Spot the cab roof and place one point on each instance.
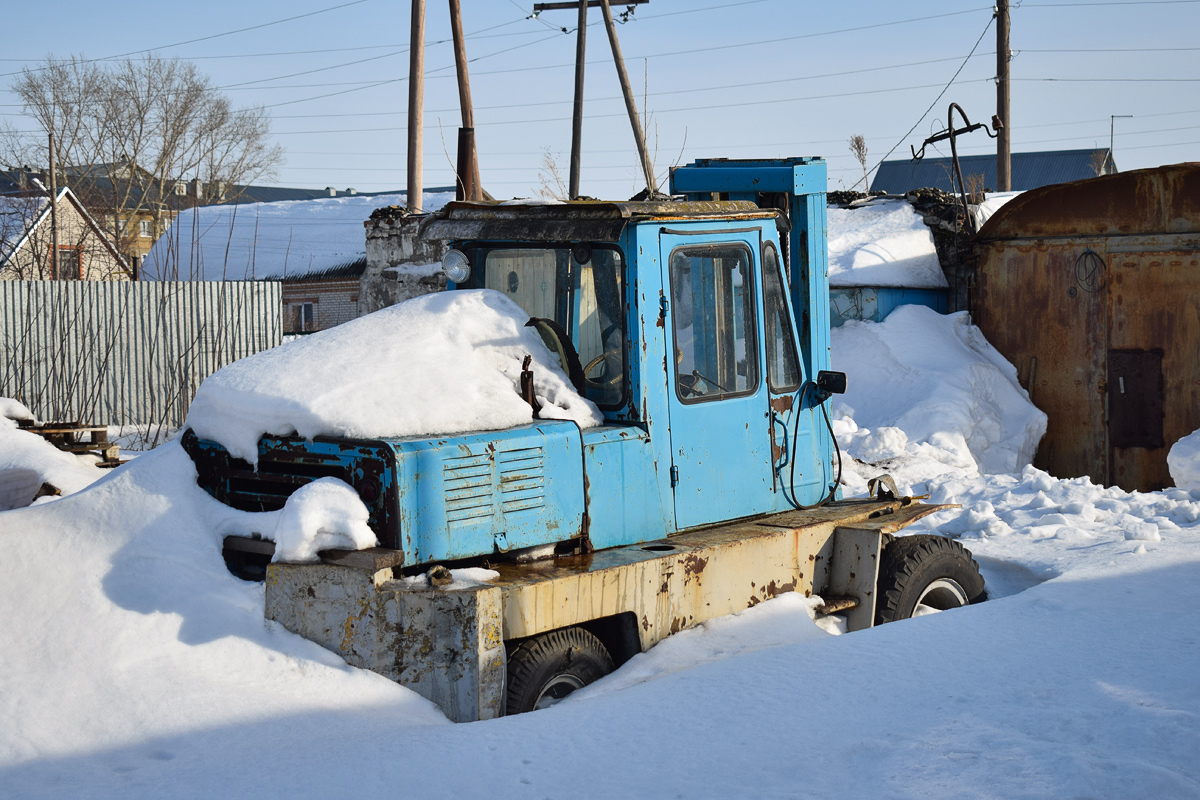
(580, 220)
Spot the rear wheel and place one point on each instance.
(547, 668)
(924, 574)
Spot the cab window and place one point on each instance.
(783, 367)
(715, 349)
(586, 298)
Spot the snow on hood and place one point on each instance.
(439, 364)
(930, 386)
(884, 243)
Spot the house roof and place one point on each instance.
(96, 179)
(1029, 170)
(346, 271)
(35, 208)
(294, 239)
(251, 193)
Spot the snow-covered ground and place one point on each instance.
(133, 665)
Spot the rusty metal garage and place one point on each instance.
(1092, 289)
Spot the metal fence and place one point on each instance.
(127, 353)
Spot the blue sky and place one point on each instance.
(732, 79)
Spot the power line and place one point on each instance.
(212, 36)
(429, 73)
(690, 52)
(649, 94)
(946, 88)
(1109, 80)
(1113, 3)
(772, 101)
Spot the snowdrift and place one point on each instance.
(27, 461)
(1183, 460)
(931, 388)
(439, 364)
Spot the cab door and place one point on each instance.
(717, 398)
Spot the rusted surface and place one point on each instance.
(679, 582)
(782, 403)
(1154, 304)
(1144, 201)
(833, 605)
(1067, 274)
(576, 221)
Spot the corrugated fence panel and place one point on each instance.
(127, 353)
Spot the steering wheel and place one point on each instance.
(603, 384)
(695, 377)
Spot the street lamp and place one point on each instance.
(1112, 118)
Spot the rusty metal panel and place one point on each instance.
(1050, 323)
(1160, 200)
(680, 582)
(1154, 304)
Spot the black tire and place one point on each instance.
(545, 669)
(928, 570)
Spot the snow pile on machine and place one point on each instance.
(439, 364)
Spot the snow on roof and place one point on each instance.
(883, 243)
(992, 203)
(18, 213)
(442, 363)
(268, 240)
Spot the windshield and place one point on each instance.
(580, 288)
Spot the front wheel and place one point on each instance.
(547, 668)
(924, 574)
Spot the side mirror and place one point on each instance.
(831, 382)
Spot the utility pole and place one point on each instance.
(416, 95)
(468, 187)
(53, 211)
(577, 114)
(630, 103)
(1003, 134)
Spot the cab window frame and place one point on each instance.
(478, 253)
(753, 351)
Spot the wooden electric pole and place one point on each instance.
(53, 211)
(468, 187)
(630, 103)
(416, 93)
(577, 115)
(1003, 135)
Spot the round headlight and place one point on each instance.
(456, 265)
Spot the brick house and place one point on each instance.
(85, 250)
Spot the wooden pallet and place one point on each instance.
(72, 437)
